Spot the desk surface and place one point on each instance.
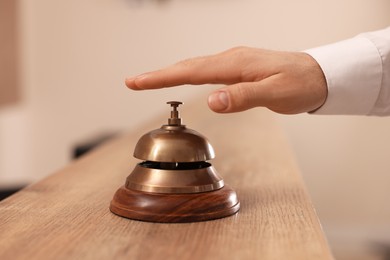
(66, 215)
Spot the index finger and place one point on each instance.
(215, 69)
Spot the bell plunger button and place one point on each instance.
(174, 119)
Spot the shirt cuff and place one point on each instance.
(353, 72)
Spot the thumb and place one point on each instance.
(237, 97)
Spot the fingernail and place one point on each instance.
(219, 101)
(129, 80)
(133, 82)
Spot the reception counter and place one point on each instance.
(66, 215)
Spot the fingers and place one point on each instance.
(284, 82)
(241, 96)
(222, 68)
(279, 93)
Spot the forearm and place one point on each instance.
(357, 72)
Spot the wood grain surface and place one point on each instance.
(175, 208)
(66, 215)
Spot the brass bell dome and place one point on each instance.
(174, 182)
(174, 143)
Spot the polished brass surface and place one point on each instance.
(174, 144)
(174, 160)
(174, 181)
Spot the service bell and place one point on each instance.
(174, 182)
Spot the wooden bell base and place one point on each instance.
(175, 208)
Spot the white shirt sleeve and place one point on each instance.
(357, 73)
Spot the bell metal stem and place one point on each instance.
(175, 119)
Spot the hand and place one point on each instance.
(285, 82)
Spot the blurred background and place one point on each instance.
(62, 71)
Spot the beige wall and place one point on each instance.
(9, 93)
(76, 54)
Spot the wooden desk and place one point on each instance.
(66, 215)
